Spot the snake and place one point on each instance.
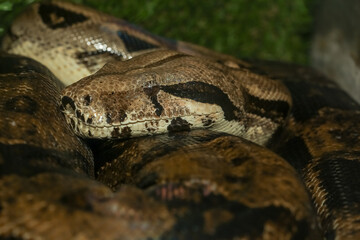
(163, 139)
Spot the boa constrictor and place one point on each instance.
(198, 184)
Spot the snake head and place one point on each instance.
(131, 106)
(166, 91)
(126, 99)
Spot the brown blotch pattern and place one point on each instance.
(115, 133)
(21, 104)
(178, 124)
(87, 100)
(203, 167)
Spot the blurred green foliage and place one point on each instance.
(265, 29)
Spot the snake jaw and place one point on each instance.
(141, 128)
(195, 117)
(180, 115)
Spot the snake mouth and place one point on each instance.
(90, 124)
(152, 126)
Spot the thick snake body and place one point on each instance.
(322, 141)
(84, 38)
(197, 184)
(188, 185)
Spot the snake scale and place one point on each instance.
(176, 141)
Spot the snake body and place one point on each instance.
(213, 181)
(198, 184)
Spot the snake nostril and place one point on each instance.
(65, 100)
